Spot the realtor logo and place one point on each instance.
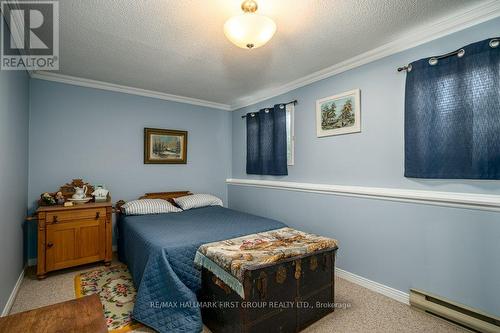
(30, 35)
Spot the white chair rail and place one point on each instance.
(488, 202)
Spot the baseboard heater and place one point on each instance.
(454, 312)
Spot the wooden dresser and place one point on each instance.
(72, 236)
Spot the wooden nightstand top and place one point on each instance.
(79, 315)
(74, 207)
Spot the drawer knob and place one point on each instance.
(55, 219)
(97, 215)
(50, 244)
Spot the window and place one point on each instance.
(290, 136)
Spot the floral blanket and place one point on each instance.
(229, 259)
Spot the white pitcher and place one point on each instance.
(80, 192)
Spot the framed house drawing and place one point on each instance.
(339, 114)
(163, 146)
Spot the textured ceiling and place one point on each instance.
(178, 47)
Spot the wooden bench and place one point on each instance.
(80, 315)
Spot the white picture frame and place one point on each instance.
(339, 114)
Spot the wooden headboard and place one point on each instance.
(169, 196)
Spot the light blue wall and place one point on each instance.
(14, 121)
(451, 252)
(98, 135)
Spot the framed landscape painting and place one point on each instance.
(163, 146)
(339, 114)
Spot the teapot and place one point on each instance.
(100, 193)
(80, 192)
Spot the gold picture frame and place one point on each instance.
(164, 146)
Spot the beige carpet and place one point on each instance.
(366, 311)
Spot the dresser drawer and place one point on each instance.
(72, 215)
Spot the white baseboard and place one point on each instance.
(395, 294)
(13, 295)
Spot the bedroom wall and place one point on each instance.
(451, 252)
(97, 135)
(14, 122)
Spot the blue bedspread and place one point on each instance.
(159, 251)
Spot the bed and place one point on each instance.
(159, 251)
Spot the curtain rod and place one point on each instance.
(294, 102)
(494, 43)
(434, 60)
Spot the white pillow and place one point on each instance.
(149, 206)
(197, 200)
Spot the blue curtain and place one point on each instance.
(452, 115)
(266, 142)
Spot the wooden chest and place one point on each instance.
(283, 297)
(72, 236)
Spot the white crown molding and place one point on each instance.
(462, 20)
(374, 286)
(13, 295)
(487, 202)
(77, 81)
(449, 25)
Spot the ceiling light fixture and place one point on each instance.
(249, 30)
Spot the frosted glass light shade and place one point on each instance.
(249, 30)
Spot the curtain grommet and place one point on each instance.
(409, 68)
(281, 106)
(252, 115)
(433, 61)
(266, 110)
(494, 43)
(461, 53)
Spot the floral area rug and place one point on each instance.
(117, 293)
